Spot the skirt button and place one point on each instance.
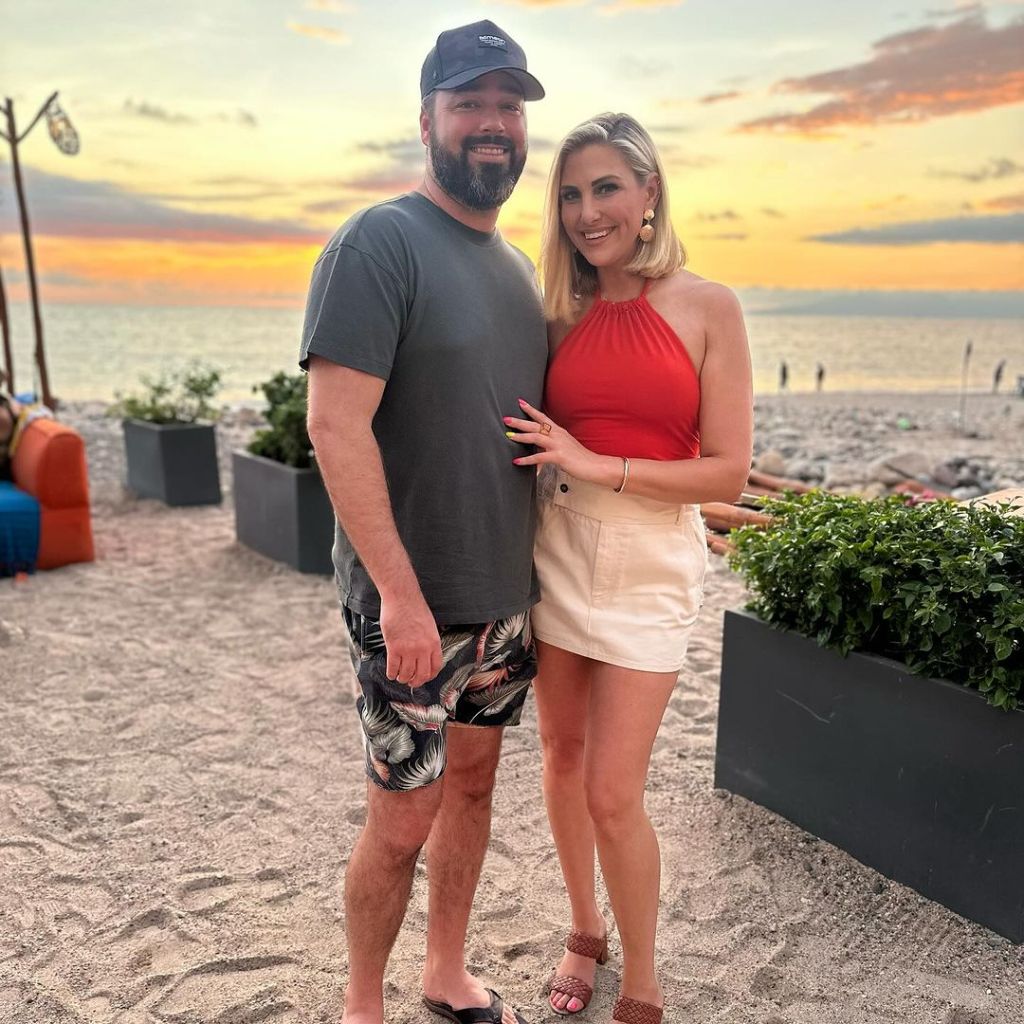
(563, 488)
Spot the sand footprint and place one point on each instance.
(243, 990)
(272, 886)
(206, 893)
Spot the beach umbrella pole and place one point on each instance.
(13, 139)
(5, 333)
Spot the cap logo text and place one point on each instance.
(496, 41)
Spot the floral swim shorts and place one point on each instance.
(485, 675)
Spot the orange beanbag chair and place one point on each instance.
(49, 463)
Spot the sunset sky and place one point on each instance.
(809, 145)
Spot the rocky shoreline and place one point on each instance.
(866, 443)
(853, 442)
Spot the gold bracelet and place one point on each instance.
(625, 475)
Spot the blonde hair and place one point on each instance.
(568, 277)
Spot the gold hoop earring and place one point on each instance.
(647, 228)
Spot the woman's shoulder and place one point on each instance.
(689, 288)
(697, 308)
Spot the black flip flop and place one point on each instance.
(473, 1014)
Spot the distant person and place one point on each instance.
(423, 328)
(997, 376)
(647, 413)
(783, 375)
(819, 377)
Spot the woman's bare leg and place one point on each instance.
(562, 691)
(626, 708)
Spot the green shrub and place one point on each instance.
(286, 439)
(937, 585)
(175, 396)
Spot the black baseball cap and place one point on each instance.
(464, 53)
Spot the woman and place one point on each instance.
(647, 413)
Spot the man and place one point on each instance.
(423, 329)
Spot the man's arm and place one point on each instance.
(342, 404)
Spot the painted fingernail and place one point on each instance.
(521, 401)
(510, 435)
(517, 462)
(506, 419)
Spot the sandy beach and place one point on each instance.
(181, 783)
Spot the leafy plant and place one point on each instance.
(175, 396)
(938, 585)
(286, 439)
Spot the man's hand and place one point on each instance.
(411, 639)
(342, 404)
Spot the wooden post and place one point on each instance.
(5, 333)
(30, 263)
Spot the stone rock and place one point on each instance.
(874, 489)
(893, 468)
(966, 493)
(790, 434)
(805, 469)
(945, 475)
(842, 475)
(771, 461)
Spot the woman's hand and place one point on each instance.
(557, 446)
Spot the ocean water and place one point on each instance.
(95, 351)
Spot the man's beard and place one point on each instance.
(484, 187)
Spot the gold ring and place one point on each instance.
(545, 429)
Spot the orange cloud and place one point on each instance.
(1014, 202)
(767, 260)
(142, 272)
(913, 76)
(327, 35)
(718, 97)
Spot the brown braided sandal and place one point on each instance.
(632, 1011)
(576, 988)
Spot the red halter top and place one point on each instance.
(622, 383)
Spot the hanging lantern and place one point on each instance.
(62, 131)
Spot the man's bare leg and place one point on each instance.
(377, 886)
(455, 854)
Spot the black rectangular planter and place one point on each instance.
(918, 778)
(283, 512)
(173, 462)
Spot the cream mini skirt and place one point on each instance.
(621, 576)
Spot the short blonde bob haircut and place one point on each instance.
(568, 277)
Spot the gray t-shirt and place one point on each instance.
(451, 318)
